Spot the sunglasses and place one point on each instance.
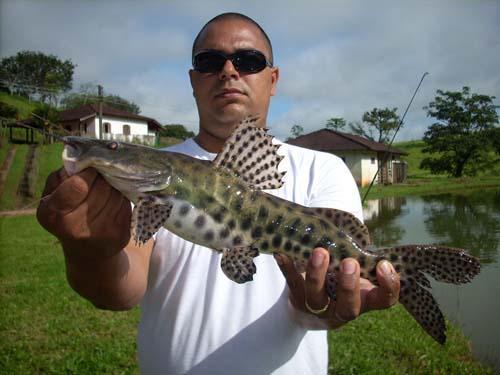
(245, 61)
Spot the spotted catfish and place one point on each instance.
(221, 205)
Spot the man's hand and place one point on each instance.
(354, 294)
(89, 216)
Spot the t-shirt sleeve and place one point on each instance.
(334, 186)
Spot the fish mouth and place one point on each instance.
(70, 155)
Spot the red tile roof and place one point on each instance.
(330, 140)
(90, 110)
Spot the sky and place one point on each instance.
(336, 58)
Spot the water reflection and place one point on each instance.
(380, 218)
(470, 221)
(465, 221)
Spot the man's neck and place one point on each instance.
(209, 142)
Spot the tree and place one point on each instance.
(335, 123)
(176, 131)
(87, 94)
(33, 74)
(377, 124)
(297, 130)
(462, 134)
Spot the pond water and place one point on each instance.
(470, 221)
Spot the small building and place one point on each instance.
(117, 124)
(362, 156)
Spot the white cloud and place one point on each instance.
(337, 58)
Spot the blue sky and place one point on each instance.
(336, 58)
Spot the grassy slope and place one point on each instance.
(46, 328)
(421, 181)
(23, 105)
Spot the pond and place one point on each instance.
(470, 221)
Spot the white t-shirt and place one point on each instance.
(195, 320)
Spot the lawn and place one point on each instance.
(46, 328)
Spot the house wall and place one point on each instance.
(360, 165)
(138, 130)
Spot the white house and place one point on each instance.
(116, 124)
(361, 155)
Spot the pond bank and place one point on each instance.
(432, 185)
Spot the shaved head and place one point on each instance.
(234, 16)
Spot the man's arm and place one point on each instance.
(92, 221)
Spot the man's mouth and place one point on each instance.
(229, 93)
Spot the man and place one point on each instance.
(194, 319)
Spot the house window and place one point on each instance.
(126, 129)
(107, 127)
(373, 160)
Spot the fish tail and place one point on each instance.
(445, 264)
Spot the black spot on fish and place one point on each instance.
(288, 246)
(394, 257)
(306, 254)
(296, 249)
(277, 240)
(237, 203)
(263, 212)
(246, 223)
(293, 227)
(209, 236)
(306, 239)
(231, 224)
(257, 232)
(219, 215)
(184, 209)
(224, 233)
(264, 245)
(270, 228)
(237, 240)
(200, 221)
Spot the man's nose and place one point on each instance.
(228, 71)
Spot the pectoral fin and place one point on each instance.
(149, 215)
(237, 263)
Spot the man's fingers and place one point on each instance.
(294, 280)
(54, 180)
(315, 279)
(348, 303)
(71, 192)
(387, 293)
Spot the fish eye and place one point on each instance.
(113, 145)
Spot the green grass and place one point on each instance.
(46, 328)
(391, 342)
(23, 105)
(421, 181)
(50, 160)
(9, 199)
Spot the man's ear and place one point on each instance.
(275, 75)
(191, 78)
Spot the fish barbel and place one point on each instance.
(221, 205)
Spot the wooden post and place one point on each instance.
(99, 88)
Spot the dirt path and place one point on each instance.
(26, 211)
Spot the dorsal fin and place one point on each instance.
(250, 154)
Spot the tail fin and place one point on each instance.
(444, 264)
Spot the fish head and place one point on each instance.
(132, 169)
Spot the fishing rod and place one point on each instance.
(386, 155)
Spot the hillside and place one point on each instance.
(23, 105)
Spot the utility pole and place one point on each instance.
(99, 90)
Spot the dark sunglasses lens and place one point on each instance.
(208, 62)
(249, 61)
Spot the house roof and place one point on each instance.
(91, 110)
(330, 140)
